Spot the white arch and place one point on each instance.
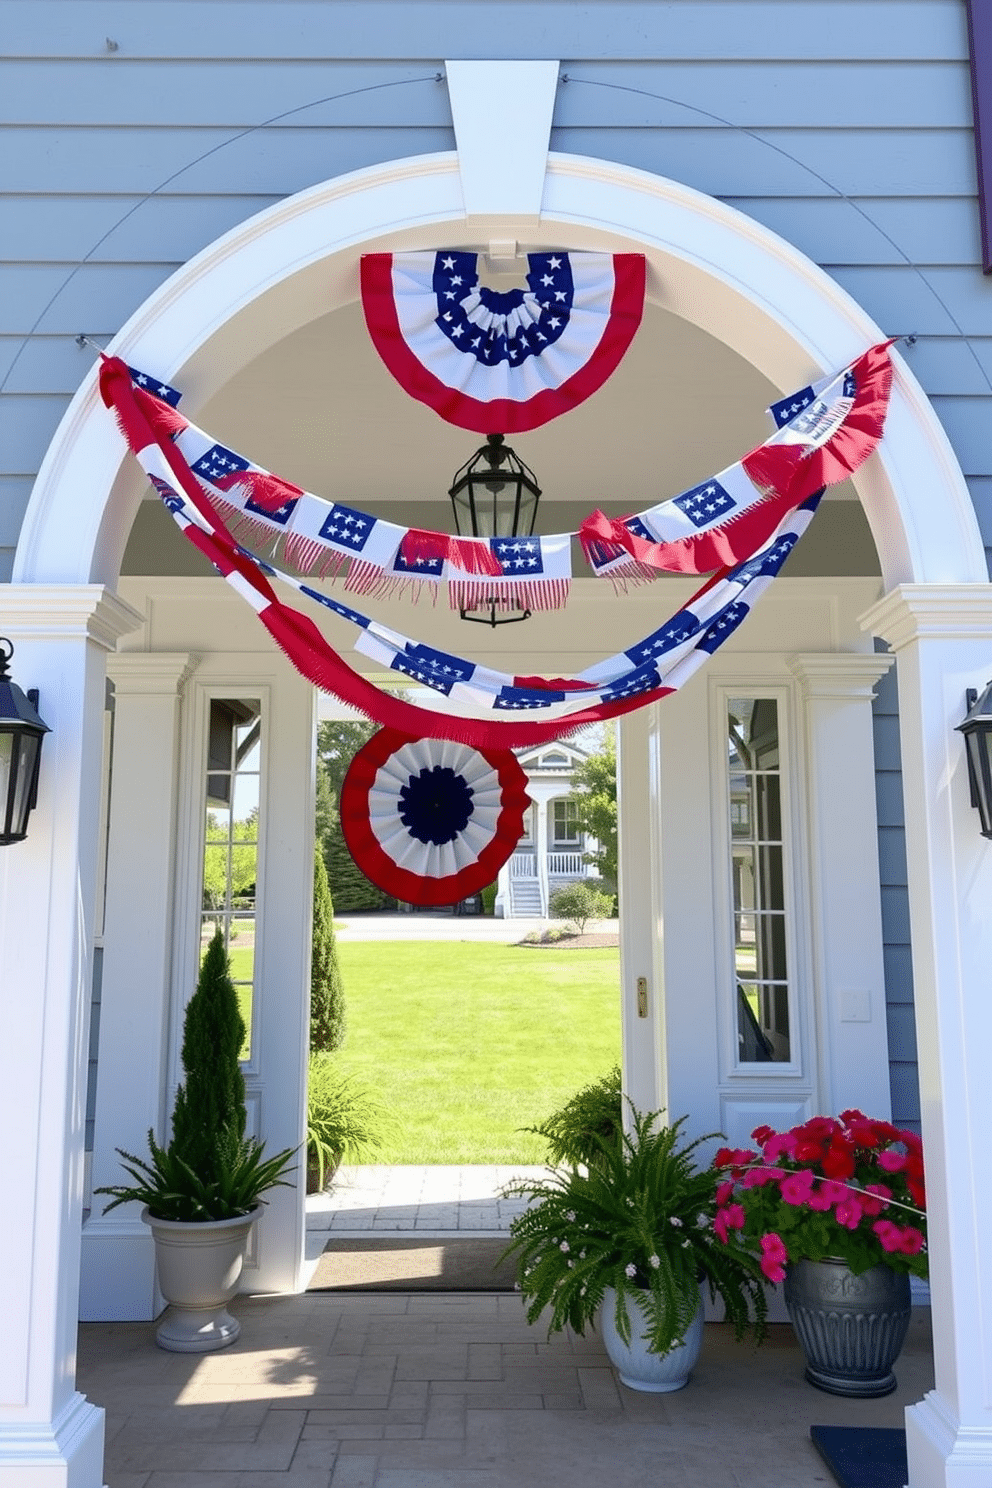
(299, 259)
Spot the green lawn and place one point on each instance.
(465, 1043)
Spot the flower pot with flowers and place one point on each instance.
(629, 1239)
(837, 1209)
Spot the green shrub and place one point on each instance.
(345, 1119)
(593, 1118)
(350, 889)
(580, 902)
(327, 1012)
(489, 898)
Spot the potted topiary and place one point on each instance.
(627, 1239)
(203, 1191)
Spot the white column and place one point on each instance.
(841, 822)
(642, 950)
(541, 845)
(50, 1435)
(942, 638)
(118, 1255)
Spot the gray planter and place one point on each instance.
(851, 1328)
(637, 1365)
(199, 1269)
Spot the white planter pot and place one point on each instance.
(637, 1366)
(199, 1268)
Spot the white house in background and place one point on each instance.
(196, 196)
(552, 849)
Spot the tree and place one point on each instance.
(579, 902)
(327, 1014)
(211, 1099)
(229, 868)
(596, 796)
(338, 741)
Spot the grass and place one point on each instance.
(465, 1043)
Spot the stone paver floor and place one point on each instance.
(451, 1390)
(454, 1391)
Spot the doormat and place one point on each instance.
(385, 1264)
(863, 1456)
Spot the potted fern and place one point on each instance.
(202, 1192)
(627, 1240)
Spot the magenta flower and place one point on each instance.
(774, 1256)
(778, 1143)
(731, 1217)
(849, 1212)
(797, 1187)
(878, 1200)
(911, 1240)
(757, 1177)
(889, 1234)
(892, 1162)
(724, 1191)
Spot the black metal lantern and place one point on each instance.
(494, 494)
(977, 730)
(21, 733)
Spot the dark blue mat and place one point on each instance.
(863, 1456)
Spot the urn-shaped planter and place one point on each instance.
(851, 1328)
(640, 1368)
(199, 1269)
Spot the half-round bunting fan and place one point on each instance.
(429, 820)
(502, 361)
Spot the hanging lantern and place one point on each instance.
(21, 733)
(494, 494)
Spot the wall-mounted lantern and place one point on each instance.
(977, 730)
(21, 733)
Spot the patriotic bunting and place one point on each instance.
(824, 433)
(502, 361)
(477, 699)
(429, 820)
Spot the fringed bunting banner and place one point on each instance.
(429, 820)
(502, 361)
(477, 698)
(825, 431)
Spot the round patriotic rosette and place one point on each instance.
(431, 820)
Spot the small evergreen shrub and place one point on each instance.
(350, 889)
(327, 1010)
(212, 1096)
(345, 1119)
(579, 903)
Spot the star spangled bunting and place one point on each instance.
(502, 360)
(836, 425)
(712, 525)
(608, 690)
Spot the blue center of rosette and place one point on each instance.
(435, 805)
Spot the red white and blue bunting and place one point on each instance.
(502, 361)
(477, 699)
(825, 431)
(429, 820)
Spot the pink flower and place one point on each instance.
(878, 1201)
(848, 1212)
(723, 1192)
(832, 1191)
(821, 1200)
(911, 1241)
(761, 1134)
(892, 1162)
(778, 1143)
(889, 1234)
(797, 1187)
(774, 1257)
(729, 1218)
(757, 1177)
